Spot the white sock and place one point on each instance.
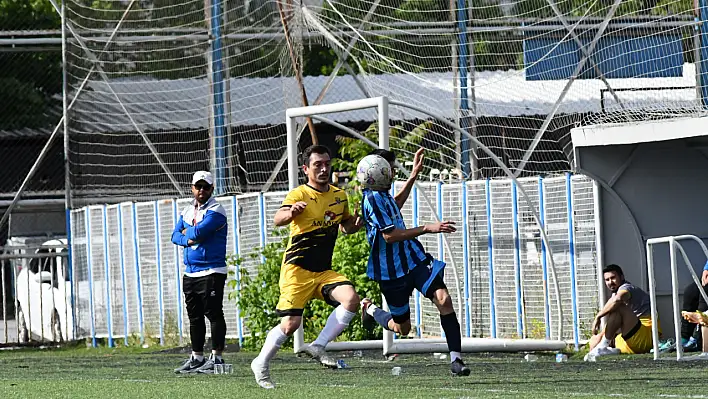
(198, 358)
(370, 309)
(337, 321)
(274, 340)
(216, 357)
(604, 343)
(455, 355)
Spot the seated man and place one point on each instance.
(628, 318)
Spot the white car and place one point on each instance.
(43, 292)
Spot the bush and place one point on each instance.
(259, 293)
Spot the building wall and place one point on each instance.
(664, 186)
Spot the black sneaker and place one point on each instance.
(208, 366)
(367, 320)
(458, 368)
(190, 365)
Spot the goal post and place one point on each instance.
(417, 345)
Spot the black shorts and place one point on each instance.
(426, 279)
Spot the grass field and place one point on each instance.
(145, 373)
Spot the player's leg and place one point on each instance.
(620, 321)
(337, 291)
(691, 299)
(296, 288)
(397, 293)
(194, 289)
(450, 325)
(214, 311)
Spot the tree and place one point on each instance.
(29, 80)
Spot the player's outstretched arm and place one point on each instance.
(353, 224)
(402, 196)
(397, 235)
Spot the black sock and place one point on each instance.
(451, 327)
(382, 317)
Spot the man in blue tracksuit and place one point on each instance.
(202, 230)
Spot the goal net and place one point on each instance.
(159, 89)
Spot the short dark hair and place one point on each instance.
(613, 268)
(390, 156)
(314, 149)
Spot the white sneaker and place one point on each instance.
(319, 353)
(608, 351)
(597, 352)
(262, 373)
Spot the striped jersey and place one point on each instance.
(394, 260)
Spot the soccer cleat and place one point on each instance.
(667, 346)
(208, 366)
(458, 368)
(190, 366)
(262, 374)
(367, 320)
(318, 353)
(691, 345)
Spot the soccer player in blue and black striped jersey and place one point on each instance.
(399, 263)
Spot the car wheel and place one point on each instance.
(56, 328)
(22, 331)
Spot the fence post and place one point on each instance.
(158, 261)
(175, 217)
(138, 283)
(236, 224)
(520, 327)
(490, 247)
(544, 256)
(122, 274)
(465, 258)
(106, 267)
(571, 259)
(90, 275)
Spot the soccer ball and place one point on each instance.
(374, 172)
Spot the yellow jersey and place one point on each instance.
(314, 232)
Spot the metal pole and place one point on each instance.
(218, 93)
(464, 100)
(472, 113)
(520, 167)
(67, 164)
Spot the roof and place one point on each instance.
(639, 132)
(184, 104)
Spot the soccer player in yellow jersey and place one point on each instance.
(316, 212)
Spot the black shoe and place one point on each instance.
(367, 320)
(208, 366)
(190, 365)
(458, 368)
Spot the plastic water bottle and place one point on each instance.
(531, 357)
(561, 358)
(341, 364)
(396, 371)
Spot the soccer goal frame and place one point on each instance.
(417, 345)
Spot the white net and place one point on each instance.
(189, 85)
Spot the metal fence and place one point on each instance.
(126, 274)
